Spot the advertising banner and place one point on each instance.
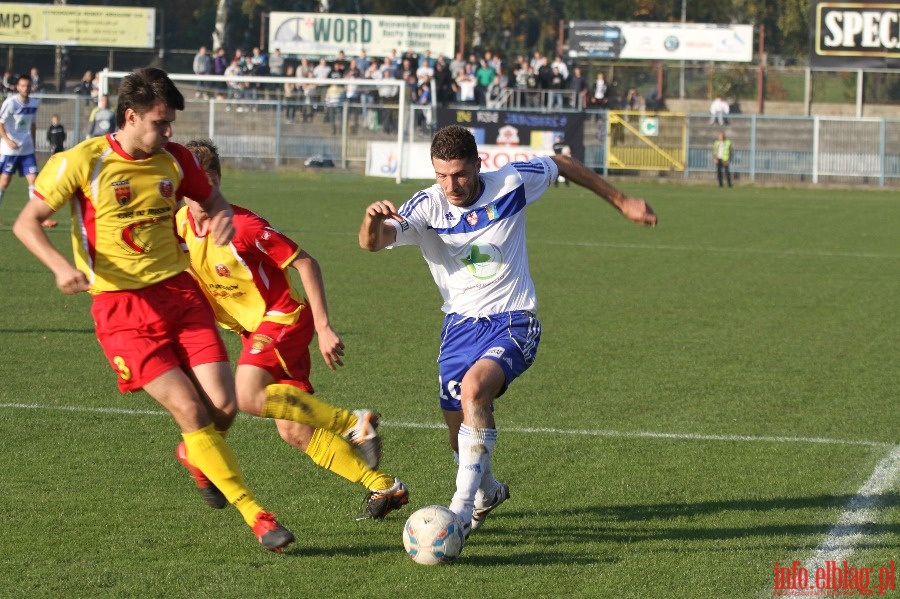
(324, 34)
(854, 34)
(381, 159)
(520, 133)
(66, 25)
(660, 41)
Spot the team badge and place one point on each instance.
(222, 270)
(123, 192)
(166, 189)
(259, 343)
(472, 218)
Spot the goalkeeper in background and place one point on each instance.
(249, 286)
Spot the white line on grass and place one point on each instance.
(862, 509)
(689, 248)
(554, 431)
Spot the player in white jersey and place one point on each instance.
(17, 135)
(470, 227)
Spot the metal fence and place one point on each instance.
(274, 132)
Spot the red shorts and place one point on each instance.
(282, 350)
(146, 332)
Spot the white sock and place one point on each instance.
(475, 449)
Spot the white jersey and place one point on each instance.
(17, 117)
(477, 254)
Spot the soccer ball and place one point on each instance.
(433, 535)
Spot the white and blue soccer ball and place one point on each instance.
(433, 535)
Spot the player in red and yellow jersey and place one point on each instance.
(248, 284)
(154, 325)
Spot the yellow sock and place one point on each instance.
(211, 454)
(287, 402)
(334, 453)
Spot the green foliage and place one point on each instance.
(659, 447)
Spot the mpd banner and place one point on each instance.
(660, 41)
(520, 132)
(60, 25)
(324, 34)
(854, 34)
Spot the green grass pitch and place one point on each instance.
(708, 397)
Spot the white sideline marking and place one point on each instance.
(690, 248)
(862, 509)
(555, 431)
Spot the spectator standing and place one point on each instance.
(722, 157)
(37, 84)
(276, 63)
(102, 120)
(718, 111)
(203, 65)
(220, 64)
(578, 85)
(290, 106)
(484, 76)
(557, 84)
(56, 135)
(598, 97)
(83, 87)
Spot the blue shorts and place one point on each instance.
(25, 165)
(510, 339)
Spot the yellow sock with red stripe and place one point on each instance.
(334, 453)
(287, 402)
(211, 454)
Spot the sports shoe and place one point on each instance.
(211, 494)
(271, 534)
(364, 437)
(481, 511)
(381, 503)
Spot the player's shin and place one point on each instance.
(211, 454)
(288, 402)
(335, 453)
(475, 448)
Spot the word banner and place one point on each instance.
(325, 34)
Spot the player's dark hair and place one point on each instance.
(21, 77)
(207, 154)
(142, 89)
(454, 143)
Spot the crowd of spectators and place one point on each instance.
(479, 80)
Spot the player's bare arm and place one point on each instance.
(634, 209)
(28, 229)
(376, 233)
(9, 141)
(221, 216)
(330, 344)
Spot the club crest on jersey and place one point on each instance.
(472, 218)
(222, 270)
(259, 343)
(122, 190)
(166, 189)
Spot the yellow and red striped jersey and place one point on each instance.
(123, 209)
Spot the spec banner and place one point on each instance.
(324, 34)
(66, 25)
(521, 134)
(660, 41)
(854, 34)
